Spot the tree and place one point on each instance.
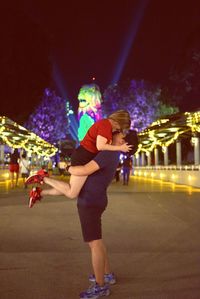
(140, 98)
(49, 120)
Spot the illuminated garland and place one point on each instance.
(16, 136)
(153, 137)
(193, 121)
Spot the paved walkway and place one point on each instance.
(152, 233)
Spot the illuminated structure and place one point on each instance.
(89, 110)
(72, 123)
(16, 136)
(168, 130)
(170, 134)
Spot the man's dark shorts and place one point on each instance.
(90, 218)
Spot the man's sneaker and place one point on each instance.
(95, 292)
(37, 178)
(108, 278)
(34, 196)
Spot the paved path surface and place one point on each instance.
(151, 230)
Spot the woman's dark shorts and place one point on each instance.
(81, 156)
(90, 219)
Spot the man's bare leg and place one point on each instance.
(107, 263)
(98, 260)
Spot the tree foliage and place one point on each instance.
(49, 120)
(140, 98)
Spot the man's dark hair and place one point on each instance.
(132, 139)
(24, 155)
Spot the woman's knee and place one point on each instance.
(71, 195)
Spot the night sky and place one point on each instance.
(64, 45)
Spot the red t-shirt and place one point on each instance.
(103, 128)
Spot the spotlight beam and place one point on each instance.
(58, 80)
(73, 128)
(128, 43)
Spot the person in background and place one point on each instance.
(117, 173)
(62, 166)
(24, 167)
(50, 167)
(14, 167)
(132, 138)
(126, 168)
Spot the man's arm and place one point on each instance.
(83, 170)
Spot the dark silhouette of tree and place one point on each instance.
(184, 76)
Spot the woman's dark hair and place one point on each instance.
(15, 153)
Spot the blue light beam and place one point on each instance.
(58, 80)
(73, 127)
(130, 39)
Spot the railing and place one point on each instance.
(171, 167)
(186, 175)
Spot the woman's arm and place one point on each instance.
(103, 146)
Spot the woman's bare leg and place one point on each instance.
(51, 191)
(16, 178)
(12, 179)
(70, 190)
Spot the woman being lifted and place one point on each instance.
(98, 138)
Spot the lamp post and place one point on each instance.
(138, 159)
(143, 159)
(149, 158)
(196, 149)
(178, 152)
(2, 153)
(156, 156)
(166, 156)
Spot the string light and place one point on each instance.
(16, 136)
(166, 131)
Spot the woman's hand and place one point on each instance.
(125, 147)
